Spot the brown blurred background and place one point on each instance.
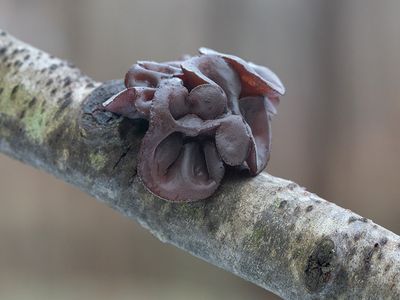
(337, 132)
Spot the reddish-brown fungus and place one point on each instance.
(213, 69)
(255, 114)
(207, 101)
(132, 103)
(148, 74)
(160, 67)
(255, 79)
(204, 112)
(233, 140)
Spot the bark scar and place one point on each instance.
(320, 265)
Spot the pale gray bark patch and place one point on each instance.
(267, 230)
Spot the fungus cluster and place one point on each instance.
(204, 112)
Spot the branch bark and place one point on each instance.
(267, 230)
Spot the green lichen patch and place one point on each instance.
(194, 211)
(257, 237)
(97, 160)
(36, 116)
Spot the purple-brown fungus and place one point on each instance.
(204, 112)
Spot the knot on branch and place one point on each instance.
(320, 265)
(204, 112)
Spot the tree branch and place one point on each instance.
(265, 229)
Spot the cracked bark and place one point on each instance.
(267, 230)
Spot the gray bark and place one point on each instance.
(267, 230)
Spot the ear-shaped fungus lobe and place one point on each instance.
(212, 69)
(149, 74)
(169, 166)
(233, 140)
(255, 80)
(208, 101)
(166, 68)
(179, 171)
(178, 104)
(269, 76)
(132, 103)
(254, 112)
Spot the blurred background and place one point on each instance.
(337, 132)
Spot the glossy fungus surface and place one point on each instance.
(205, 112)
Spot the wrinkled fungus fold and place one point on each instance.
(204, 112)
